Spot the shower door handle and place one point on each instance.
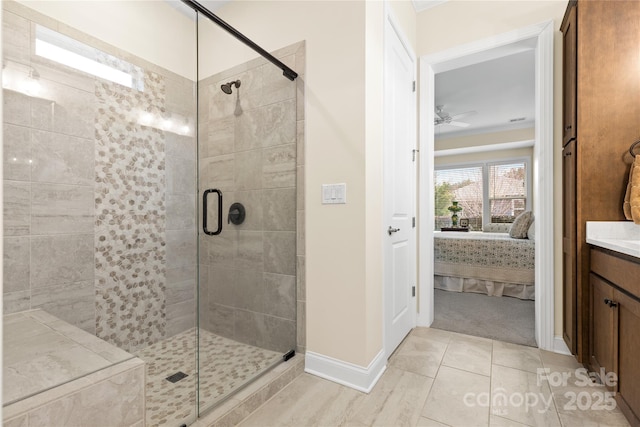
(204, 211)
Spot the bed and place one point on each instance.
(490, 263)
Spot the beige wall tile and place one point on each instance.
(181, 316)
(249, 290)
(278, 123)
(71, 114)
(180, 291)
(301, 323)
(280, 295)
(218, 172)
(279, 209)
(250, 250)
(181, 248)
(60, 209)
(220, 137)
(17, 152)
(279, 334)
(279, 166)
(181, 175)
(62, 159)
(17, 108)
(17, 208)
(181, 211)
(72, 302)
(16, 33)
(301, 293)
(245, 167)
(61, 259)
(276, 88)
(249, 130)
(16, 270)
(121, 401)
(280, 252)
(14, 302)
(20, 421)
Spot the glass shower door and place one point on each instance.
(247, 170)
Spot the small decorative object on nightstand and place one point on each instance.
(464, 222)
(454, 208)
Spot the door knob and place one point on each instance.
(392, 230)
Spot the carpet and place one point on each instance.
(500, 318)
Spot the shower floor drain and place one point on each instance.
(176, 377)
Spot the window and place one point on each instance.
(507, 191)
(464, 185)
(493, 192)
(72, 53)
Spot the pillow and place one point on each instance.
(496, 228)
(521, 225)
(531, 233)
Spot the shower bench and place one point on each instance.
(57, 374)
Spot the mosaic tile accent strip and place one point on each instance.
(226, 365)
(130, 255)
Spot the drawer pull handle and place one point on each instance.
(610, 303)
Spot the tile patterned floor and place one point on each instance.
(441, 378)
(225, 365)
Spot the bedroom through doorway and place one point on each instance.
(484, 230)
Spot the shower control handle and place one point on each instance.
(392, 230)
(204, 211)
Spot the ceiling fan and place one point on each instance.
(444, 118)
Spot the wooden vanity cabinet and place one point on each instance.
(615, 325)
(569, 75)
(603, 320)
(601, 89)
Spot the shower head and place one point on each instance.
(226, 88)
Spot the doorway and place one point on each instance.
(539, 37)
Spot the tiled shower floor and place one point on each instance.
(225, 365)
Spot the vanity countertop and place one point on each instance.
(619, 236)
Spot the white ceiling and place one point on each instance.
(498, 90)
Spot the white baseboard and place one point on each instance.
(345, 373)
(559, 346)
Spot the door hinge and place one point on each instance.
(413, 86)
(413, 222)
(414, 152)
(413, 291)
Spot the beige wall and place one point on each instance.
(151, 30)
(458, 22)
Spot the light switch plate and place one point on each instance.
(334, 194)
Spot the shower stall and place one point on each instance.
(149, 214)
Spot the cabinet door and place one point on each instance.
(569, 245)
(602, 325)
(569, 76)
(628, 353)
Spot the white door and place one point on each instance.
(399, 191)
